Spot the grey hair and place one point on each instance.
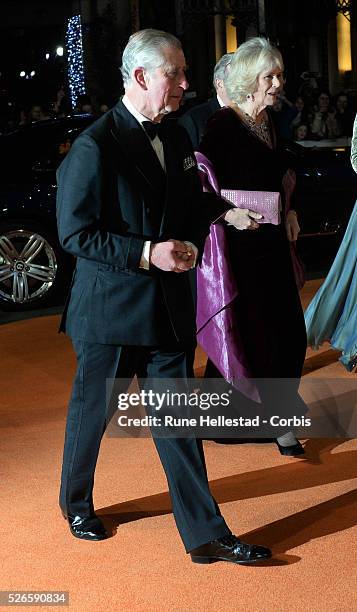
(250, 59)
(220, 69)
(145, 49)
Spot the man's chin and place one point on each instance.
(173, 106)
(169, 108)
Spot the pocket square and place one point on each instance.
(189, 162)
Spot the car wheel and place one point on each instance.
(33, 267)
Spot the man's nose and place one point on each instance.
(276, 81)
(184, 82)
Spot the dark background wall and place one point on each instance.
(30, 28)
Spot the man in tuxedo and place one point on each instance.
(195, 119)
(130, 209)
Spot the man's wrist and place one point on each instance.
(145, 256)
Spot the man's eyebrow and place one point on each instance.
(175, 68)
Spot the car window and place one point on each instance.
(49, 152)
(36, 151)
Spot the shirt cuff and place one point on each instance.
(145, 256)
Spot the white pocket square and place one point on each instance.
(189, 162)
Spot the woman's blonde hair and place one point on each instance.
(250, 59)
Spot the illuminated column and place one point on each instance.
(231, 35)
(220, 35)
(354, 56)
(344, 43)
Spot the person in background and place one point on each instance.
(344, 116)
(332, 314)
(37, 113)
(284, 113)
(250, 321)
(103, 109)
(309, 87)
(23, 117)
(61, 106)
(84, 105)
(195, 119)
(323, 120)
(301, 132)
(302, 116)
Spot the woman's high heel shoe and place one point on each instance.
(295, 450)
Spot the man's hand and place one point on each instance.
(242, 218)
(292, 226)
(172, 256)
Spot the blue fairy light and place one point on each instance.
(75, 59)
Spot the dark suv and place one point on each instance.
(34, 270)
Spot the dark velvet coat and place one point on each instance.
(267, 308)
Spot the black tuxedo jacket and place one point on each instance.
(195, 120)
(112, 196)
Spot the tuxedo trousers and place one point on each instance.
(196, 512)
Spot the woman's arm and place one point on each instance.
(354, 146)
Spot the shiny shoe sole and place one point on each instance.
(76, 535)
(207, 560)
(297, 450)
(88, 538)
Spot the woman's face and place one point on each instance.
(301, 132)
(270, 84)
(323, 102)
(342, 103)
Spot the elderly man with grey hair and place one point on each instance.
(194, 120)
(130, 210)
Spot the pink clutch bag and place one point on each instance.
(267, 203)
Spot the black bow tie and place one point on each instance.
(152, 129)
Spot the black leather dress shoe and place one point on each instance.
(86, 527)
(295, 450)
(229, 548)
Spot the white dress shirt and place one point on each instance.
(157, 145)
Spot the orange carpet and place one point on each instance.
(305, 509)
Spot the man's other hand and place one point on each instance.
(172, 256)
(242, 218)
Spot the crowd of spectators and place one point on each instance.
(313, 115)
(18, 115)
(325, 117)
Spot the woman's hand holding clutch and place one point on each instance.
(242, 218)
(292, 226)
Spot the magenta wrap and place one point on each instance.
(217, 330)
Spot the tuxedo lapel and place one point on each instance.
(174, 174)
(134, 145)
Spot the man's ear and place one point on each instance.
(140, 78)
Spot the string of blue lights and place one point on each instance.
(75, 59)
